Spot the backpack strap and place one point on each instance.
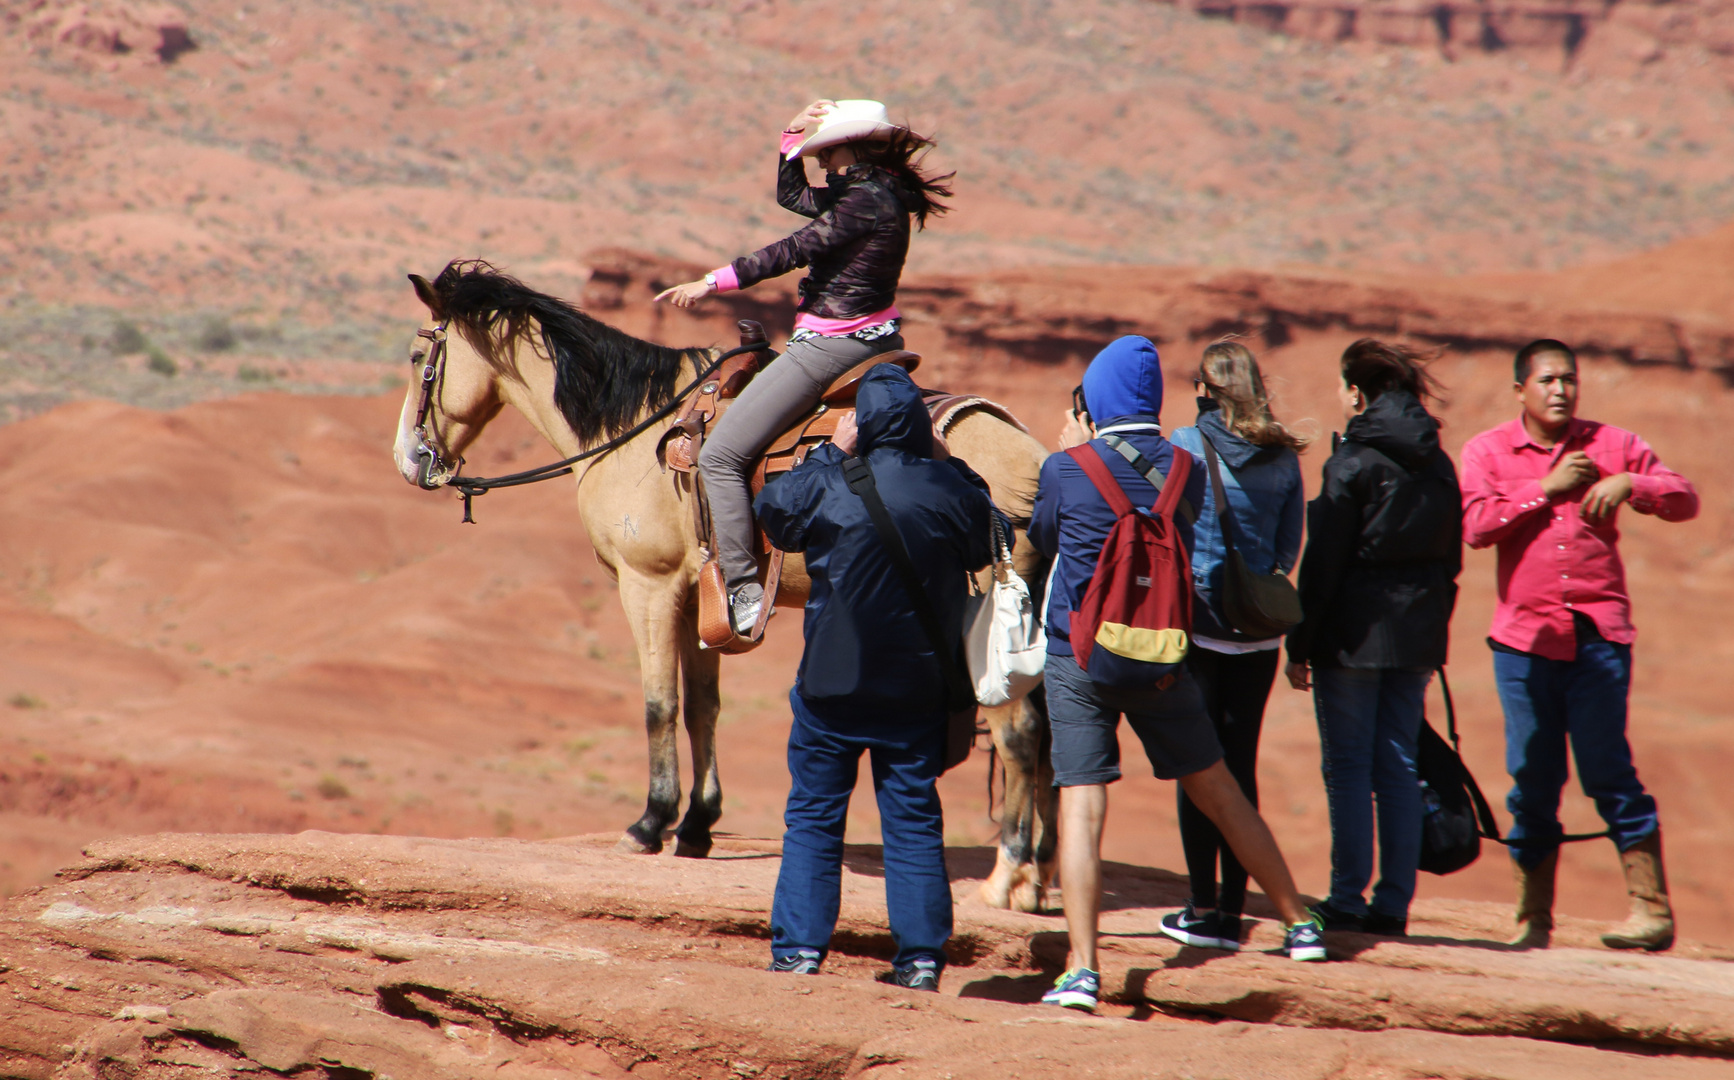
(1097, 470)
(1150, 472)
(1171, 498)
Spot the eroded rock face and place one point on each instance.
(334, 955)
(155, 33)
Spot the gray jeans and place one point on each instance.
(774, 400)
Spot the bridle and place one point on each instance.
(432, 472)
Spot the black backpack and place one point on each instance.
(1455, 817)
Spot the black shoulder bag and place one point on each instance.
(960, 703)
(1258, 605)
(1455, 817)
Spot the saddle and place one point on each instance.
(679, 448)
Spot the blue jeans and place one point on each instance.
(1368, 723)
(1547, 701)
(907, 753)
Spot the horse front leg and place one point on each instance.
(700, 670)
(653, 611)
(1019, 878)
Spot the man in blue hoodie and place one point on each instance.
(1070, 523)
(869, 679)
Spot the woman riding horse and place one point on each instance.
(854, 248)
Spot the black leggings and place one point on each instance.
(1235, 691)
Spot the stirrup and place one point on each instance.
(716, 628)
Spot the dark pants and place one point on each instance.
(1548, 701)
(1235, 689)
(1368, 723)
(907, 752)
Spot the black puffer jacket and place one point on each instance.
(1384, 545)
(866, 650)
(854, 247)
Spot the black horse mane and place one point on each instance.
(604, 379)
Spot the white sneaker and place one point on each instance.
(744, 606)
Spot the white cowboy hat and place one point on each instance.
(846, 121)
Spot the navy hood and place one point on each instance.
(889, 412)
(1125, 379)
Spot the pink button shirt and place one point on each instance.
(1551, 561)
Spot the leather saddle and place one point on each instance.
(679, 448)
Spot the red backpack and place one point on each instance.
(1132, 627)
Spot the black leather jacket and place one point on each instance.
(854, 247)
(1378, 581)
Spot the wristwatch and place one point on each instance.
(710, 280)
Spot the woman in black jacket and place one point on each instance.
(1378, 584)
(853, 250)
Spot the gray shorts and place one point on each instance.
(1085, 719)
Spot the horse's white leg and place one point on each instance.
(653, 610)
(1020, 734)
(702, 702)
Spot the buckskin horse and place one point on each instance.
(600, 395)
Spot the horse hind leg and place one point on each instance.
(1018, 882)
(700, 670)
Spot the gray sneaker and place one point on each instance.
(744, 605)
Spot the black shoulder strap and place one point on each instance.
(1150, 472)
(1221, 492)
(859, 476)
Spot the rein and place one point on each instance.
(431, 465)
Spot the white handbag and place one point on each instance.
(1003, 638)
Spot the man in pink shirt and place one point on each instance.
(1547, 488)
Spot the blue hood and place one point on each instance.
(889, 412)
(1125, 379)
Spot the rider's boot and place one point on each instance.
(745, 603)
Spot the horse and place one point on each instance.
(587, 386)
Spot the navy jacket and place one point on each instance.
(1266, 502)
(1071, 520)
(866, 652)
(1378, 581)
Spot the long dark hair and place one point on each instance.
(1375, 367)
(604, 379)
(903, 155)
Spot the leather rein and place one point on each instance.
(433, 472)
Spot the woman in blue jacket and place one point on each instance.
(1260, 468)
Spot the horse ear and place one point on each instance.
(425, 291)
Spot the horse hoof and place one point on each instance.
(684, 850)
(632, 845)
(996, 891)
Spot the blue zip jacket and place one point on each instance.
(1268, 504)
(1071, 520)
(866, 654)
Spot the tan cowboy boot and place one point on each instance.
(1535, 902)
(1651, 923)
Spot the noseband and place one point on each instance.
(431, 471)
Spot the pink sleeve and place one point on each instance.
(726, 278)
(792, 139)
(1657, 489)
(1490, 512)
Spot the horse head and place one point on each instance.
(453, 390)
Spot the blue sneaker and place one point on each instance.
(1305, 941)
(917, 975)
(799, 962)
(1211, 931)
(1076, 989)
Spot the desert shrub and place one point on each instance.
(160, 362)
(216, 335)
(330, 787)
(249, 373)
(127, 339)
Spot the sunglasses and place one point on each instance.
(1078, 401)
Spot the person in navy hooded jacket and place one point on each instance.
(869, 679)
(1070, 522)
